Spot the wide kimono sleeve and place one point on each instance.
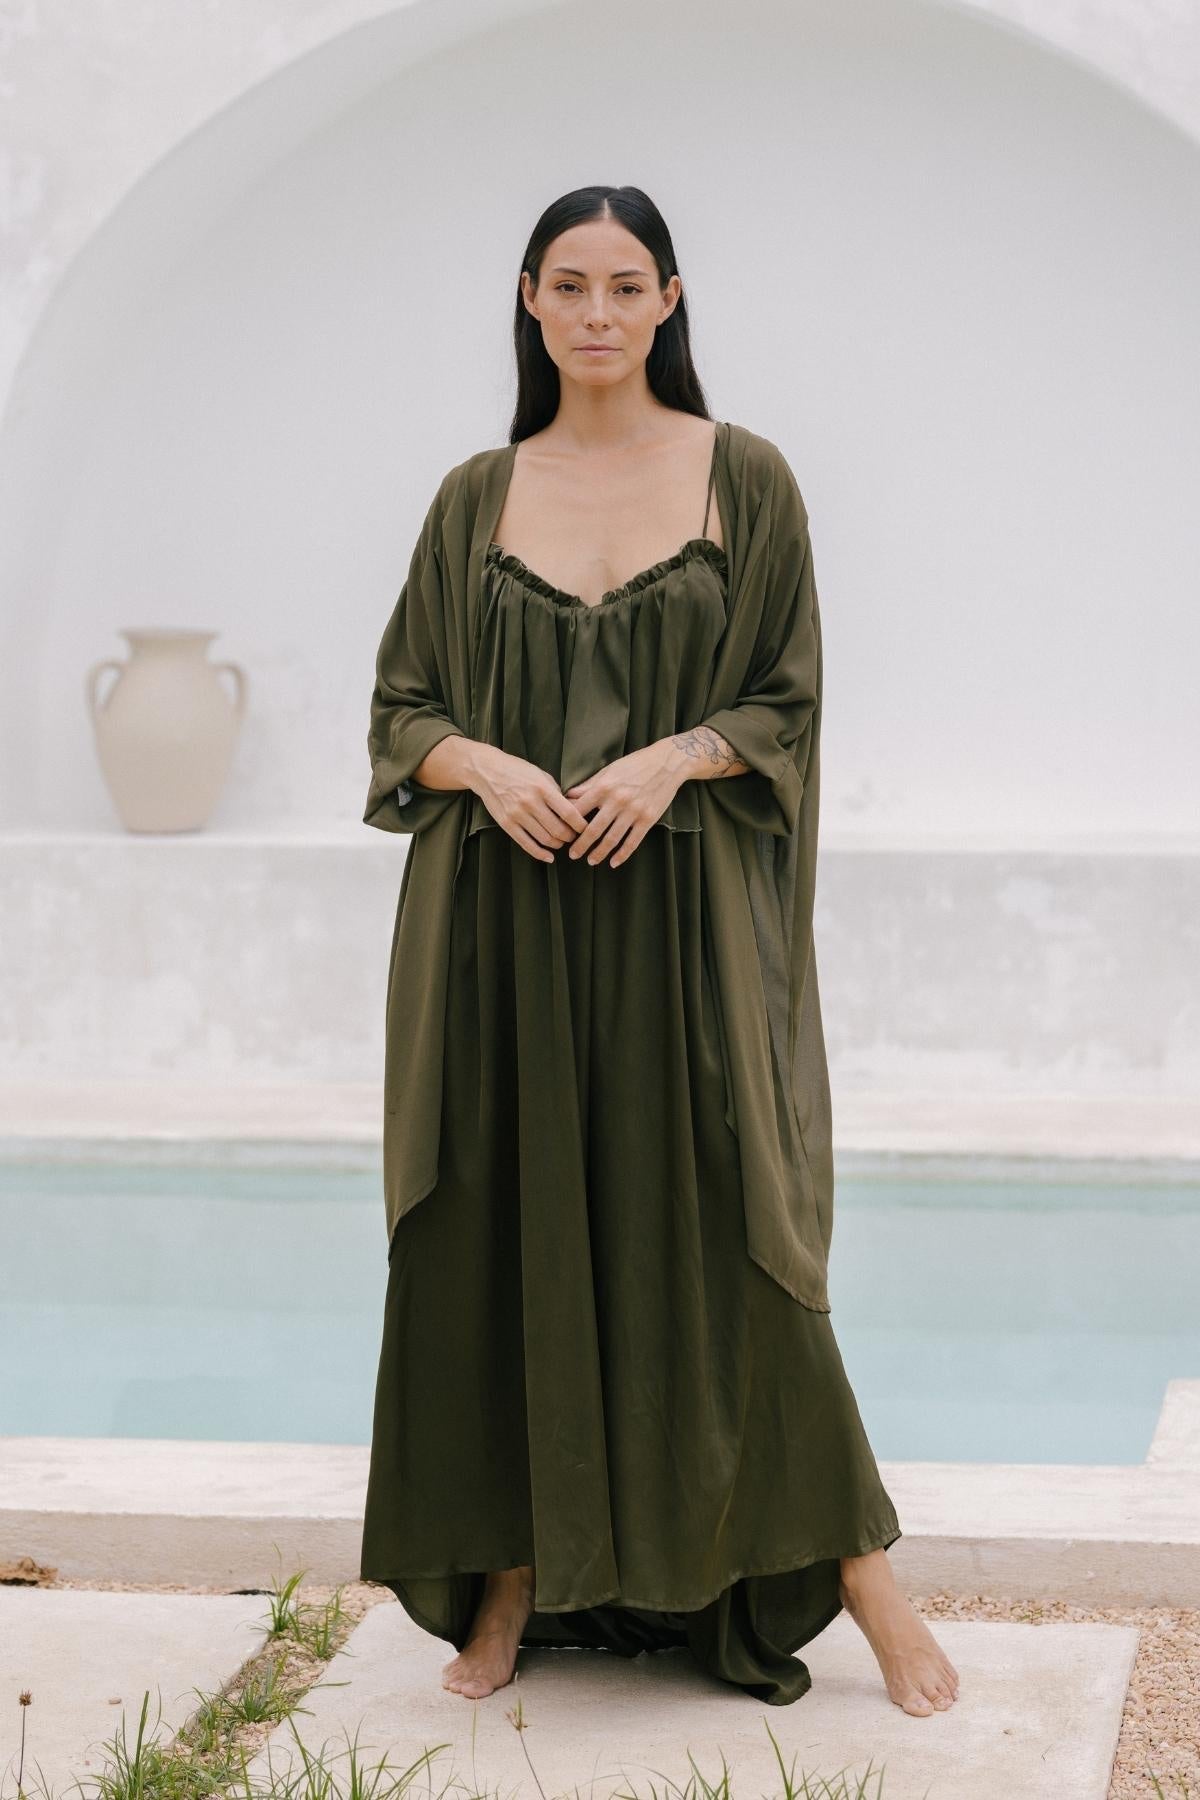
(409, 711)
(769, 723)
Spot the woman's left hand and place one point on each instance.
(626, 798)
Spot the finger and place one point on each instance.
(541, 834)
(541, 821)
(567, 810)
(608, 842)
(556, 824)
(588, 836)
(629, 846)
(520, 836)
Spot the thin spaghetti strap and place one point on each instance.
(712, 478)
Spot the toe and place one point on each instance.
(916, 1703)
(937, 1691)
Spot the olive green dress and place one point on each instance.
(582, 1368)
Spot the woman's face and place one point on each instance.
(598, 286)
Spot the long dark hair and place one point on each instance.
(669, 366)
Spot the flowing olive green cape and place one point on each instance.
(759, 844)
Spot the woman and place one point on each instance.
(610, 1407)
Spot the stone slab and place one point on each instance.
(1039, 1714)
(88, 1657)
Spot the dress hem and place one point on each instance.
(877, 1540)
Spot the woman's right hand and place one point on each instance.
(527, 802)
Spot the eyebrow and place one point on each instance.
(615, 276)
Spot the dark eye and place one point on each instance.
(627, 287)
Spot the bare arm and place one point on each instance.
(702, 754)
(452, 765)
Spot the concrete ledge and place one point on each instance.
(69, 1117)
(231, 1515)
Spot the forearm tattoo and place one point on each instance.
(706, 745)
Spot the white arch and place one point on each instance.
(252, 110)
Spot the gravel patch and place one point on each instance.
(1160, 1726)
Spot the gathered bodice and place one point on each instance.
(571, 685)
(500, 558)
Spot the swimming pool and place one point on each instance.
(988, 1310)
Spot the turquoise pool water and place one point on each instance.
(999, 1310)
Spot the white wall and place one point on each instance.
(953, 274)
(962, 979)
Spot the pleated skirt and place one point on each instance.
(581, 1368)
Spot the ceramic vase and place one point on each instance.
(167, 728)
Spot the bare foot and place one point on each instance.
(919, 1676)
(489, 1656)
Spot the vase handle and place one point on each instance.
(239, 676)
(91, 681)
